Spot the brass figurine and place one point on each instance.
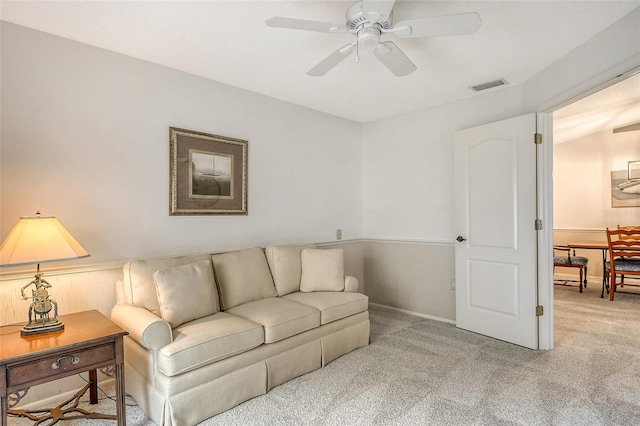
(40, 320)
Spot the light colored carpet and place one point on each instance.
(421, 372)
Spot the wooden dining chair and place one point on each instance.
(563, 258)
(624, 257)
(627, 237)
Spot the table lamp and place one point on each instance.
(38, 239)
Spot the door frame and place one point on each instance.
(544, 192)
(544, 210)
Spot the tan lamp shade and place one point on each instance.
(37, 239)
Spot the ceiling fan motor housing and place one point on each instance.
(356, 20)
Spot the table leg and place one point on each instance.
(604, 273)
(120, 405)
(93, 389)
(4, 397)
(4, 401)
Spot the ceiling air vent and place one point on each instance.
(489, 84)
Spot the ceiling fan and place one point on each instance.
(629, 128)
(368, 21)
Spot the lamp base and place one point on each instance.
(42, 327)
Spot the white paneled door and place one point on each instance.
(495, 255)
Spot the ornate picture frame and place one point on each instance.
(208, 174)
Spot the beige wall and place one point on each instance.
(582, 180)
(412, 276)
(85, 137)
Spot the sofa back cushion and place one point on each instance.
(139, 288)
(186, 292)
(322, 270)
(286, 267)
(242, 276)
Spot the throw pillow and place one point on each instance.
(322, 270)
(243, 276)
(186, 292)
(286, 267)
(139, 287)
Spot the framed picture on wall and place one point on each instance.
(625, 186)
(208, 174)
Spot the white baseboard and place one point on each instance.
(417, 314)
(576, 276)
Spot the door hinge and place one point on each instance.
(537, 138)
(538, 224)
(539, 310)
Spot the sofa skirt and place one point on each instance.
(195, 396)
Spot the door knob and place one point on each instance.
(460, 239)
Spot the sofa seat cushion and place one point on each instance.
(280, 318)
(332, 305)
(207, 340)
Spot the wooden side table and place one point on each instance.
(89, 341)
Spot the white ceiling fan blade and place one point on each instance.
(301, 24)
(394, 59)
(629, 128)
(328, 63)
(377, 10)
(460, 24)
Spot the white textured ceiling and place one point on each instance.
(616, 106)
(228, 41)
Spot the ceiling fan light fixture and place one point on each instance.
(369, 36)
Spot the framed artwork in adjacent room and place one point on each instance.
(625, 186)
(208, 174)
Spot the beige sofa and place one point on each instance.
(209, 332)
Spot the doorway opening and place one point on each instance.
(594, 140)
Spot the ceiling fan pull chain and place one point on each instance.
(357, 51)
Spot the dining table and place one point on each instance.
(595, 245)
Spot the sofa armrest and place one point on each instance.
(144, 327)
(350, 284)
